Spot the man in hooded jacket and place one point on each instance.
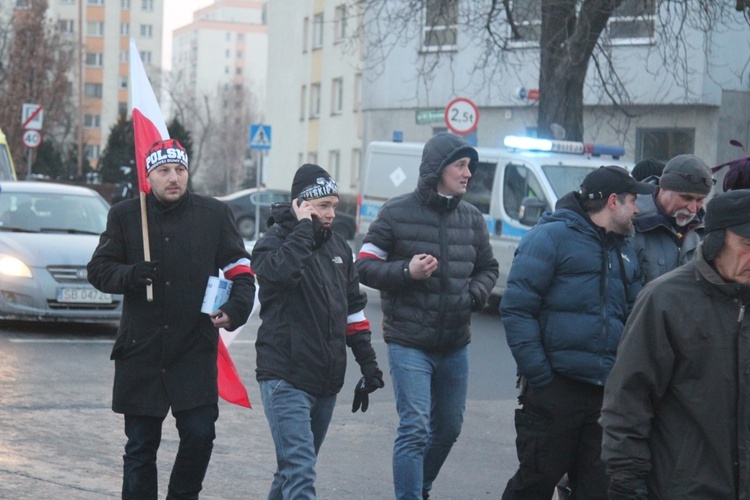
(428, 252)
(571, 286)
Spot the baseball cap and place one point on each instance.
(610, 179)
(730, 210)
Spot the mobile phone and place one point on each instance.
(299, 202)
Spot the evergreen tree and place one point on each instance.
(119, 154)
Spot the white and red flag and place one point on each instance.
(148, 127)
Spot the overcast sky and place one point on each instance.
(177, 13)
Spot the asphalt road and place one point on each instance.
(60, 440)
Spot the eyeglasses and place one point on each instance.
(697, 179)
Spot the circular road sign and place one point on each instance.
(32, 139)
(461, 116)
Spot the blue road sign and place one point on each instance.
(260, 137)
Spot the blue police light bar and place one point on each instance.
(555, 146)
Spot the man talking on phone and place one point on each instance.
(311, 308)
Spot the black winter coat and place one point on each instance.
(165, 351)
(432, 314)
(306, 291)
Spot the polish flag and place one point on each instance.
(148, 127)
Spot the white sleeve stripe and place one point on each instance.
(356, 317)
(373, 250)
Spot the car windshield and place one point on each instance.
(566, 178)
(44, 212)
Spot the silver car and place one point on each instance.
(47, 235)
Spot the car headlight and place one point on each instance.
(11, 266)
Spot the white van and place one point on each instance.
(512, 186)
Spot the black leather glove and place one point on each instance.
(372, 381)
(142, 273)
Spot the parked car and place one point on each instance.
(48, 233)
(243, 204)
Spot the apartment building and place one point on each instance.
(104, 29)
(314, 90)
(225, 46)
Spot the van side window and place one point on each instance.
(519, 183)
(479, 192)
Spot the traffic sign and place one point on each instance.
(32, 138)
(461, 116)
(260, 137)
(31, 116)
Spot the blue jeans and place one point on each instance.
(430, 390)
(196, 428)
(299, 422)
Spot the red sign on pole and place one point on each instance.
(461, 116)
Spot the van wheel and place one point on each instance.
(246, 226)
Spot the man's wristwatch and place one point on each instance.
(405, 272)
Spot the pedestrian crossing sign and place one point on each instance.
(260, 137)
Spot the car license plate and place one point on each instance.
(89, 295)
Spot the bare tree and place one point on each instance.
(219, 123)
(570, 35)
(35, 61)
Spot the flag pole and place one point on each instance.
(146, 245)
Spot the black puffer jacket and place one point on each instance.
(432, 314)
(308, 287)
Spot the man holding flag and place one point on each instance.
(167, 353)
(166, 350)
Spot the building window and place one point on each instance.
(440, 25)
(239, 54)
(124, 56)
(300, 159)
(663, 144)
(94, 2)
(238, 71)
(339, 23)
(239, 37)
(229, 36)
(91, 152)
(312, 157)
(355, 168)
(334, 162)
(147, 30)
(91, 121)
(528, 18)
(337, 96)
(305, 33)
(146, 56)
(123, 82)
(94, 59)
(124, 29)
(122, 108)
(314, 100)
(23, 4)
(93, 90)
(67, 2)
(125, 4)
(302, 100)
(95, 28)
(357, 92)
(147, 5)
(66, 26)
(318, 31)
(632, 22)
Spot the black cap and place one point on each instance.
(312, 181)
(730, 210)
(610, 179)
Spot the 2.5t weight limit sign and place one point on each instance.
(461, 116)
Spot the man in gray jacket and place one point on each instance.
(669, 224)
(677, 402)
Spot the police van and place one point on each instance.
(512, 186)
(7, 171)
